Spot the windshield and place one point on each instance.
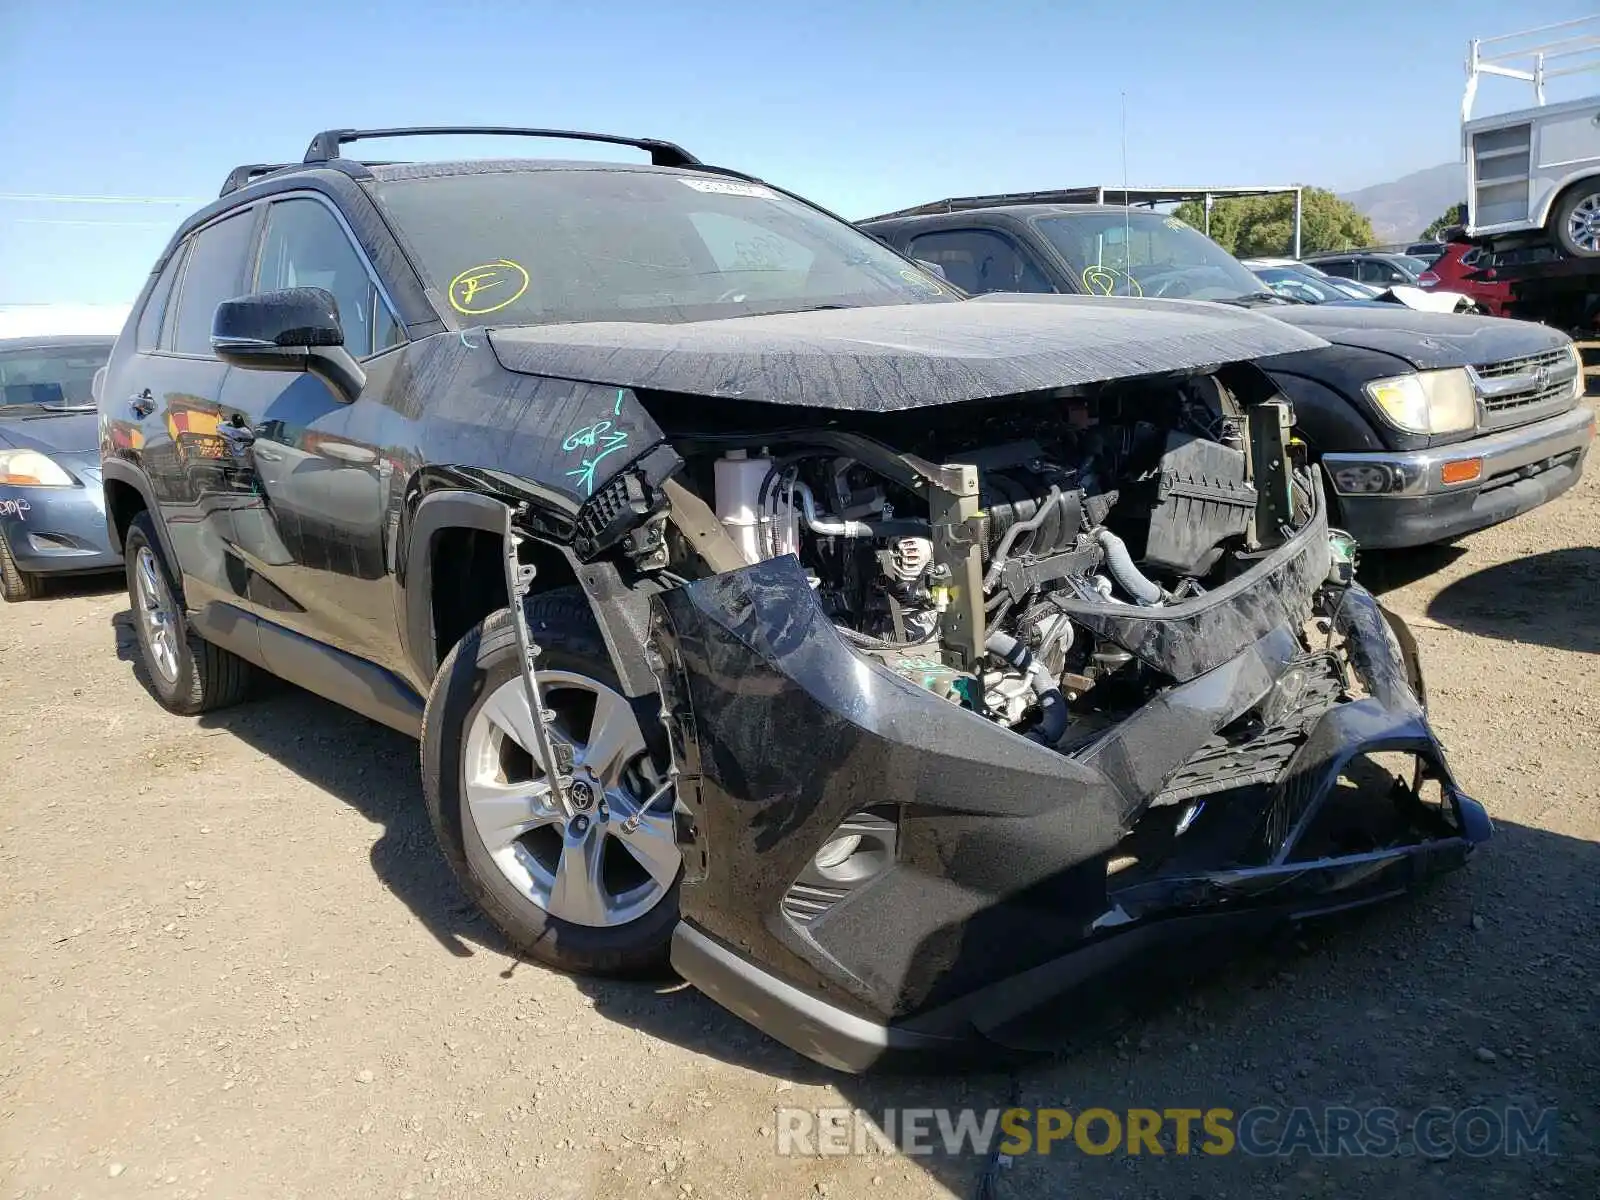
(1145, 254)
(50, 378)
(552, 246)
(1300, 285)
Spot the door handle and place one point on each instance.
(142, 404)
(267, 455)
(345, 452)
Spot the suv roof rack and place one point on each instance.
(249, 173)
(327, 144)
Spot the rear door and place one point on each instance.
(174, 386)
(312, 535)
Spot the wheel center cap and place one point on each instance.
(582, 793)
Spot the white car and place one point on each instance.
(1304, 281)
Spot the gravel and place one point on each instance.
(209, 928)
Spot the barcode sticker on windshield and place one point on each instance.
(731, 187)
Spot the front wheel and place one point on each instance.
(15, 583)
(577, 888)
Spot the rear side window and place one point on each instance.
(150, 323)
(215, 272)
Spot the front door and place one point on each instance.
(311, 531)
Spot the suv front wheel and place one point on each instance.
(580, 887)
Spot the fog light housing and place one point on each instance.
(1365, 479)
(835, 852)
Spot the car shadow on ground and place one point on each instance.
(1381, 571)
(60, 587)
(368, 766)
(1545, 599)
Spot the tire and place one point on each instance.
(511, 882)
(1575, 222)
(15, 583)
(188, 675)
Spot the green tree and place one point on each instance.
(1256, 225)
(1456, 214)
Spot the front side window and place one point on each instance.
(1126, 253)
(305, 246)
(554, 246)
(980, 260)
(50, 378)
(214, 273)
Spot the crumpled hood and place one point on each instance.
(52, 433)
(897, 357)
(1426, 340)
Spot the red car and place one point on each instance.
(1456, 270)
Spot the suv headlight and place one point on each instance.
(1578, 381)
(29, 468)
(1428, 401)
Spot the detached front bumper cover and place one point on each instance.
(996, 878)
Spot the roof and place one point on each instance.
(1355, 254)
(1116, 195)
(1022, 211)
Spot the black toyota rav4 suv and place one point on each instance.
(895, 662)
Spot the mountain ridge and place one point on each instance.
(1401, 209)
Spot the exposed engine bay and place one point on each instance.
(955, 545)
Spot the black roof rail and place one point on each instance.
(326, 145)
(249, 173)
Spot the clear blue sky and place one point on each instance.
(863, 106)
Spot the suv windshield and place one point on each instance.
(557, 245)
(1145, 254)
(47, 378)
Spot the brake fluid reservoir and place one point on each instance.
(738, 480)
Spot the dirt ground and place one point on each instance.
(232, 962)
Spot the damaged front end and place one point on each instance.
(905, 835)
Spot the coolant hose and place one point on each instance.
(1052, 704)
(1120, 563)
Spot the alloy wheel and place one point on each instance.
(157, 614)
(1583, 223)
(593, 867)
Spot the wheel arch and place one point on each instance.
(1558, 195)
(460, 532)
(127, 493)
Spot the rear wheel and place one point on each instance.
(579, 890)
(182, 670)
(1577, 220)
(15, 583)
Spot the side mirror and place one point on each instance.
(296, 329)
(932, 268)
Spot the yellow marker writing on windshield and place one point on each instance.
(488, 287)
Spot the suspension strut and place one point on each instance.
(555, 757)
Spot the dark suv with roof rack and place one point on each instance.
(1428, 425)
(755, 596)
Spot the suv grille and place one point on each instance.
(1515, 387)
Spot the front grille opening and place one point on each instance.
(1533, 395)
(1382, 800)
